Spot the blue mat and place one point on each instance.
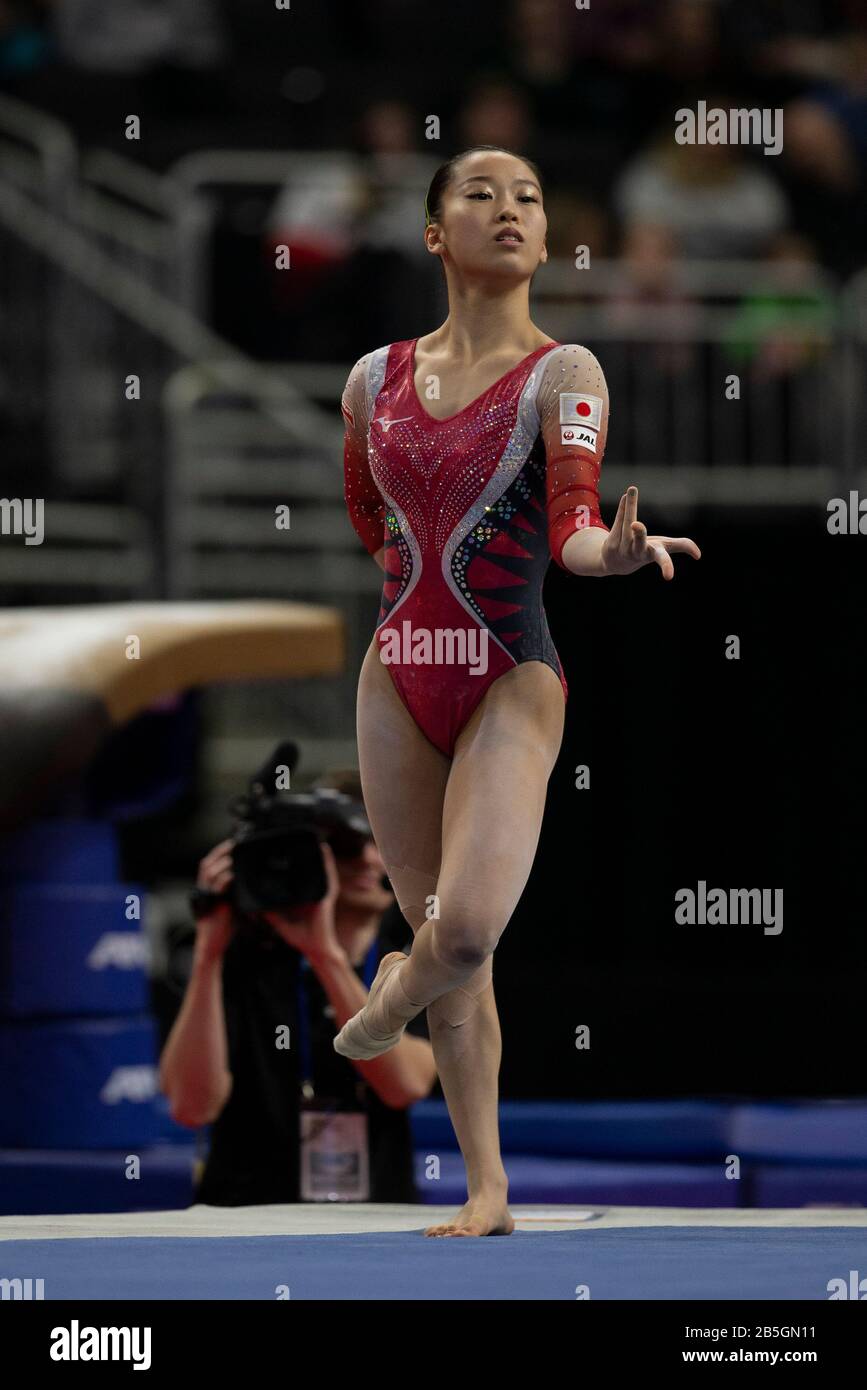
(686, 1262)
(654, 1129)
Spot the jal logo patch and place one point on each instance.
(578, 409)
(581, 438)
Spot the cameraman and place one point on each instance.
(226, 1061)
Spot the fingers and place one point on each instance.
(631, 513)
(663, 559)
(225, 846)
(331, 874)
(631, 546)
(220, 879)
(680, 543)
(627, 511)
(616, 533)
(645, 551)
(215, 870)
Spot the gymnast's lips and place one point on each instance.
(509, 234)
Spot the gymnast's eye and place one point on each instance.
(522, 198)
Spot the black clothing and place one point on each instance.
(254, 1150)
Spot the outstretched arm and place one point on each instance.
(573, 410)
(363, 499)
(573, 416)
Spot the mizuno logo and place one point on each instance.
(387, 424)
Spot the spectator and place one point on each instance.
(784, 327)
(133, 36)
(825, 158)
(717, 203)
(222, 1065)
(651, 293)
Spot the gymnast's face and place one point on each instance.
(491, 193)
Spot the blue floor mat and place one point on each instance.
(687, 1262)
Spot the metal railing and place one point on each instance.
(116, 260)
(90, 300)
(713, 371)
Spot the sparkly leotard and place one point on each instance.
(471, 510)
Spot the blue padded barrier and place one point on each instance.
(34, 1182)
(810, 1131)
(660, 1129)
(800, 1185)
(78, 1083)
(61, 851)
(69, 950)
(585, 1182)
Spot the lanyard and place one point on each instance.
(303, 996)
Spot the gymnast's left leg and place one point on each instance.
(503, 760)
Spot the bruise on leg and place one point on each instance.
(415, 890)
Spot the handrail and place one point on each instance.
(129, 180)
(49, 139)
(194, 171)
(165, 320)
(559, 277)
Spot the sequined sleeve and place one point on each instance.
(573, 420)
(363, 499)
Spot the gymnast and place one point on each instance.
(471, 459)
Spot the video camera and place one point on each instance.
(276, 858)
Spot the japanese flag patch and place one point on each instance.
(578, 435)
(576, 409)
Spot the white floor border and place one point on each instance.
(353, 1218)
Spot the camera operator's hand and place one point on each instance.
(310, 926)
(214, 931)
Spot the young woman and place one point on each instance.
(472, 458)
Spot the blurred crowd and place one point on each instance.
(591, 95)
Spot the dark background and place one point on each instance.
(746, 773)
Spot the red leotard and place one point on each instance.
(471, 510)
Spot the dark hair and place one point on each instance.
(341, 779)
(443, 177)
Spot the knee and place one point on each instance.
(464, 944)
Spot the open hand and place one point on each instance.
(627, 546)
(309, 927)
(215, 931)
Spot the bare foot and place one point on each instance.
(485, 1215)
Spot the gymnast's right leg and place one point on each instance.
(492, 815)
(404, 779)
